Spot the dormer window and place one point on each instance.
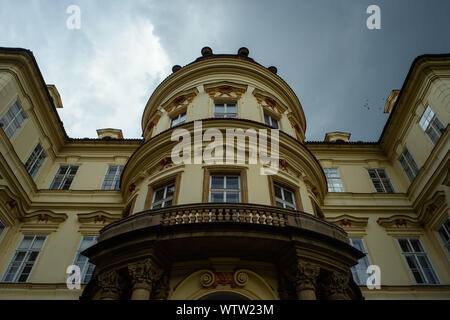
(225, 110)
(179, 119)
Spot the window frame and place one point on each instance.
(165, 197)
(23, 263)
(155, 185)
(225, 113)
(209, 171)
(36, 160)
(282, 200)
(356, 269)
(87, 263)
(177, 117)
(225, 190)
(415, 254)
(413, 168)
(446, 229)
(381, 180)
(332, 178)
(271, 118)
(431, 126)
(13, 118)
(64, 178)
(115, 179)
(291, 186)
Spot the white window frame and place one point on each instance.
(383, 182)
(225, 190)
(178, 119)
(28, 251)
(444, 231)
(86, 263)
(114, 178)
(415, 254)
(165, 198)
(15, 122)
(36, 160)
(270, 120)
(285, 204)
(409, 164)
(331, 186)
(225, 114)
(431, 125)
(65, 177)
(360, 275)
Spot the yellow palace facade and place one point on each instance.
(138, 225)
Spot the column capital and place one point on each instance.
(306, 275)
(109, 285)
(335, 285)
(144, 274)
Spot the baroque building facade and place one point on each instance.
(139, 225)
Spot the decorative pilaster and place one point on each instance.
(144, 275)
(109, 285)
(306, 279)
(334, 285)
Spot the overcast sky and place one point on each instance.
(341, 71)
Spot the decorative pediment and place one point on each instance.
(180, 101)
(151, 124)
(91, 223)
(269, 102)
(42, 221)
(225, 89)
(401, 224)
(350, 223)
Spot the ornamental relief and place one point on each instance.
(225, 90)
(180, 101)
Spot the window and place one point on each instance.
(380, 180)
(271, 121)
(334, 180)
(444, 232)
(25, 257)
(86, 268)
(2, 227)
(284, 198)
(417, 261)
(431, 124)
(225, 188)
(112, 178)
(359, 271)
(409, 164)
(64, 177)
(35, 160)
(163, 197)
(179, 119)
(225, 110)
(12, 119)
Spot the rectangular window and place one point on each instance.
(225, 188)
(25, 257)
(380, 180)
(417, 261)
(64, 177)
(444, 232)
(284, 198)
(35, 160)
(271, 121)
(112, 178)
(12, 119)
(163, 197)
(225, 110)
(409, 165)
(334, 180)
(86, 268)
(431, 124)
(359, 271)
(179, 119)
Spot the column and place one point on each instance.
(305, 280)
(144, 274)
(109, 285)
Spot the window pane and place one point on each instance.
(232, 183)
(217, 182)
(159, 194)
(217, 197)
(232, 197)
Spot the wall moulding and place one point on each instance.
(42, 221)
(401, 225)
(350, 223)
